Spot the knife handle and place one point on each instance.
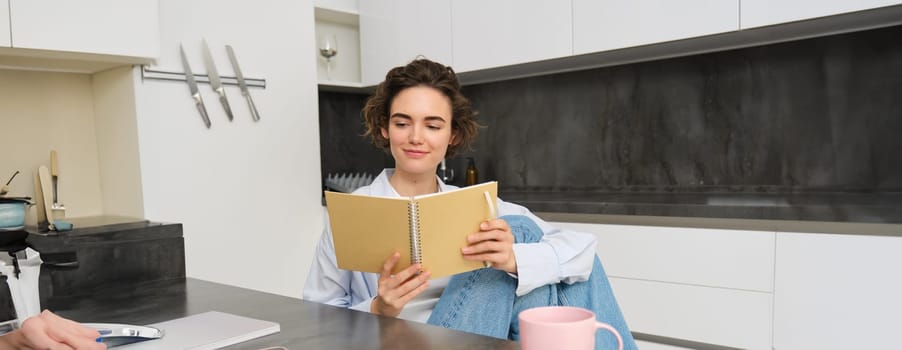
(250, 103)
(54, 164)
(203, 113)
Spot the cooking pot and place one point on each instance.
(12, 213)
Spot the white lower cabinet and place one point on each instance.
(710, 286)
(837, 292)
(719, 316)
(645, 345)
(735, 259)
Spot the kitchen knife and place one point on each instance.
(54, 172)
(242, 84)
(192, 85)
(215, 82)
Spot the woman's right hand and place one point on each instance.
(49, 331)
(397, 290)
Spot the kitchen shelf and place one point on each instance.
(335, 15)
(345, 86)
(340, 20)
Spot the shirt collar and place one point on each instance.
(382, 187)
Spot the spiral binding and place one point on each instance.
(416, 247)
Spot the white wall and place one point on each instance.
(247, 193)
(117, 142)
(44, 111)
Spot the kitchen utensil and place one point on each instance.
(242, 84)
(5, 189)
(46, 196)
(59, 211)
(54, 172)
(215, 82)
(41, 214)
(192, 86)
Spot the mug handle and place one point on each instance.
(605, 326)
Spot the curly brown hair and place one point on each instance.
(421, 72)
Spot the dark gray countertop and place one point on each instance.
(101, 229)
(882, 208)
(304, 325)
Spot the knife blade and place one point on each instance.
(242, 84)
(192, 86)
(215, 82)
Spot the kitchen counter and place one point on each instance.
(103, 252)
(304, 324)
(867, 213)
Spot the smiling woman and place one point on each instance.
(419, 116)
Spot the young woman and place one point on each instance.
(419, 115)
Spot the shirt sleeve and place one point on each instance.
(328, 284)
(561, 255)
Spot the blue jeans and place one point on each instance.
(484, 301)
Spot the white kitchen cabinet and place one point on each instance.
(394, 32)
(711, 286)
(837, 292)
(644, 345)
(109, 27)
(602, 25)
(488, 34)
(757, 13)
(4, 24)
(719, 316)
(736, 259)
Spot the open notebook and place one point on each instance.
(429, 229)
(209, 330)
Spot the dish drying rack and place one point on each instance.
(348, 182)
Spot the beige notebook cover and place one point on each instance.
(430, 228)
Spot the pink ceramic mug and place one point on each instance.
(561, 327)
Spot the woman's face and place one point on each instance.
(419, 130)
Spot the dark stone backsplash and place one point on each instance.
(343, 149)
(820, 114)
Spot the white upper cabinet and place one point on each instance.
(4, 23)
(837, 291)
(109, 27)
(394, 32)
(757, 13)
(426, 31)
(489, 34)
(602, 25)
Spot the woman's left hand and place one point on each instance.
(493, 243)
